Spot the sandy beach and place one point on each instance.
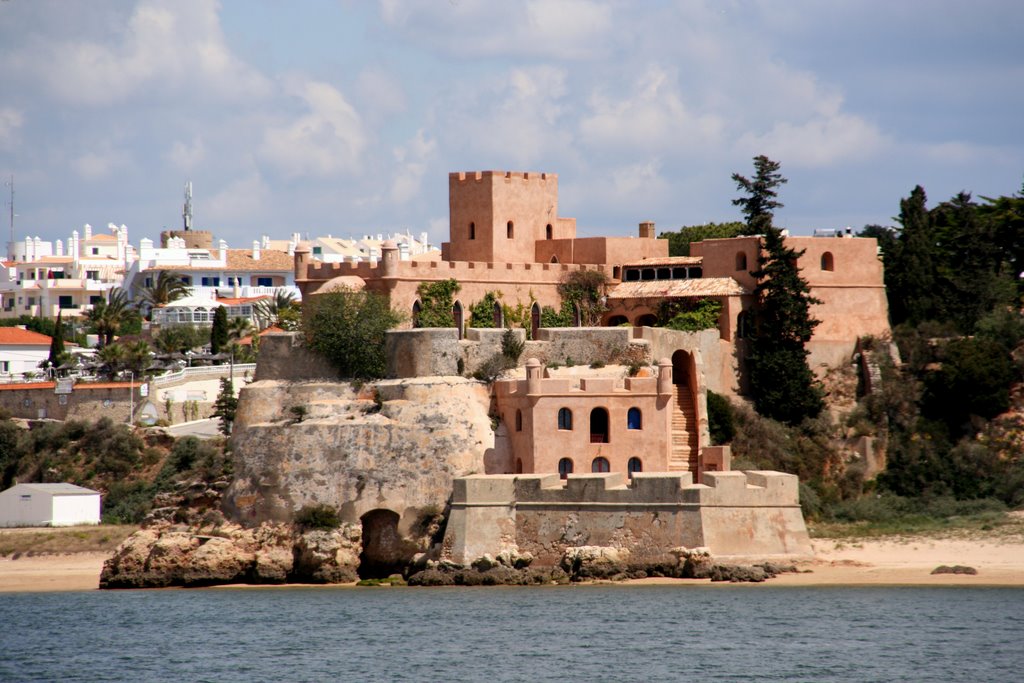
(836, 562)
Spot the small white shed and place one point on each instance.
(49, 505)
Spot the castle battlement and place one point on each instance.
(755, 488)
(594, 386)
(465, 177)
(460, 270)
(754, 513)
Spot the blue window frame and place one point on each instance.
(565, 419)
(634, 419)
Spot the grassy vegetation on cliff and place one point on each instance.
(129, 467)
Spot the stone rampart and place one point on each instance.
(427, 352)
(734, 514)
(283, 356)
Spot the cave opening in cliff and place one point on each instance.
(384, 552)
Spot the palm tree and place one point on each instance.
(238, 328)
(268, 310)
(113, 359)
(167, 287)
(108, 315)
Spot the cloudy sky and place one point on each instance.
(345, 117)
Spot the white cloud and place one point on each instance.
(330, 138)
(510, 121)
(101, 163)
(244, 199)
(10, 121)
(565, 29)
(820, 141)
(187, 155)
(167, 48)
(380, 91)
(411, 160)
(651, 116)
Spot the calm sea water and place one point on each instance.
(576, 633)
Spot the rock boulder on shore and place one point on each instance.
(168, 555)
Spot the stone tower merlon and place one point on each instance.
(194, 239)
(498, 216)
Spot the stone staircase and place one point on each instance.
(683, 456)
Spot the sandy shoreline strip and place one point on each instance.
(836, 563)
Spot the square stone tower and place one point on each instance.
(499, 217)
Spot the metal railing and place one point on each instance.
(203, 371)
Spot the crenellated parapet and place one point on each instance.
(509, 176)
(750, 514)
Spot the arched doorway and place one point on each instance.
(534, 320)
(384, 552)
(458, 315)
(647, 320)
(617, 320)
(681, 362)
(416, 308)
(499, 316)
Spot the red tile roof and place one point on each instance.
(12, 336)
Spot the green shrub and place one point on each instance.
(721, 422)
(348, 328)
(321, 516)
(511, 346)
(688, 317)
(491, 369)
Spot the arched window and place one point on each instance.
(472, 231)
(509, 232)
(599, 425)
(634, 465)
(564, 419)
(827, 262)
(549, 232)
(519, 420)
(534, 320)
(617, 320)
(416, 308)
(741, 260)
(564, 468)
(577, 315)
(499, 317)
(600, 464)
(634, 419)
(554, 258)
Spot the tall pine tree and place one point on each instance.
(779, 379)
(57, 353)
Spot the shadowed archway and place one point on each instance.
(384, 552)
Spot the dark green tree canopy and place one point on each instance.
(679, 241)
(758, 202)
(779, 379)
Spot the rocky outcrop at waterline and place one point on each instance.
(164, 555)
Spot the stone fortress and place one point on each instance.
(546, 458)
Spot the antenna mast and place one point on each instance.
(186, 214)
(10, 248)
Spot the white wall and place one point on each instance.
(78, 509)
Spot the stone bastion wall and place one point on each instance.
(734, 514)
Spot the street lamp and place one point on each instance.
(131, 396)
